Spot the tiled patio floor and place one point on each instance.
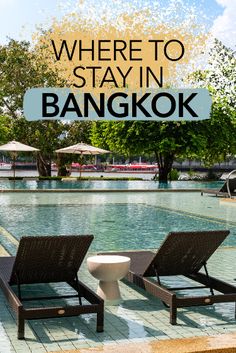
(140, 319)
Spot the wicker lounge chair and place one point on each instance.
(48, 259)
(225, 191)
(181, 253)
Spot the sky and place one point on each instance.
(19, 18)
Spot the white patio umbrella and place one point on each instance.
(82, 149)
(14, 147)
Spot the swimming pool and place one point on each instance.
(118, 221)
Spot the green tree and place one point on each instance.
(220, 80)
(166, 141)
(22, 68)
(78, 131)
(4, 129)
(221, 77)
(210, 140)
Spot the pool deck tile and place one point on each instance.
(139, 324)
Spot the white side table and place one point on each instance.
(108, 269)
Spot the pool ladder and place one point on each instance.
(227, 182)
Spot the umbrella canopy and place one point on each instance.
(82, 149)
(14, 147)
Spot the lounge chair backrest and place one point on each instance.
(45, 259)
(184, 253)
(232, 185)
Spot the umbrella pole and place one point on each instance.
(14, 166)
(80, 165)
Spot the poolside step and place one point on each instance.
(8, 243)
(8, 236)
(3, 251)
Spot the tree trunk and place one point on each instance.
(62, 169)
(44, 166)
(163, 175)
(165, 162)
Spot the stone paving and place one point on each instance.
(141, 318)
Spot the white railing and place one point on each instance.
(227, 182)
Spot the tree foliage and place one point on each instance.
(210, 140)
(20, 69)
(166, 141)
(220, 79)
(4, 129)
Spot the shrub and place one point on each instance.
(108, 178)
(174, 174)
(49, 178)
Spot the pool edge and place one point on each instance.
(98, 190)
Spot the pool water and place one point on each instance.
(116, 221)
(105, 184)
